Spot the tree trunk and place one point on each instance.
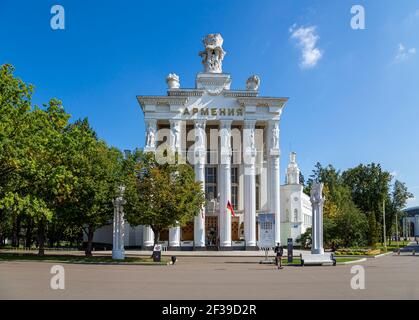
(16, 230)
(156, 236)
(41, 238)
(89, 247)
(28, 235)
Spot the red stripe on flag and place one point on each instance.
(230, 207)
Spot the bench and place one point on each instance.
(317, 259)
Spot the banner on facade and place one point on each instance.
(267, 230)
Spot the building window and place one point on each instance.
(211, 183)
(295, 215)
(235, 187)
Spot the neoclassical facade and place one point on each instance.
(231, 137)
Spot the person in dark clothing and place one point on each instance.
(279, 252)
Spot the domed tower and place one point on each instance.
(293, 172)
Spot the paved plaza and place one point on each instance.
(389, 277)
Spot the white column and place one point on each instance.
(317, 201)
(118, 251)
(249, 159)
(175, 144)
(148, 237)
(273, 175)
(225, 184)
(174, 238)
(200, 154)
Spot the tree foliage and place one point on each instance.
(162, 195)
(354, 199)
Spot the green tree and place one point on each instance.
(395, 204)
(369, 186)
(162, 195)
(98, 172)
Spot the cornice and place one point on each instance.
(161, 100)
(262, 101)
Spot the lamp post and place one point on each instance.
(384, 226)
(397, 231)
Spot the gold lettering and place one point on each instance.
(194, 111)
(222, 112)
(239, 112)
(213, 111)
(204, 112)
(186, 112)
(231, 112)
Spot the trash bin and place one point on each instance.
(157, 253)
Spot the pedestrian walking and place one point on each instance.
(279, 252)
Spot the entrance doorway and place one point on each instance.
(187, 232)
(211, 229)
(235, 234)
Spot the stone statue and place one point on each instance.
(150, 136)
(316, 194)
(175, 135)
(252, 139)
(275, 136)
(213, 55)
(253, 83)
(200, 135)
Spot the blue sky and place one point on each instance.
(356, 102)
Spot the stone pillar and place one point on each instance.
(249, 159)
(118, 251)
(317, 201)
(225, 185)
(273, 175)
(175, 145)
(148, 238)
(200, 154)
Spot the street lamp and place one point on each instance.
(384, 225)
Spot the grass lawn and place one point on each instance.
(346, 259)
(79, 259)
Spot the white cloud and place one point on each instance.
(394, 173)
(307, 38)
(403, 54)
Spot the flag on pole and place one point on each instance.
(230, 207)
